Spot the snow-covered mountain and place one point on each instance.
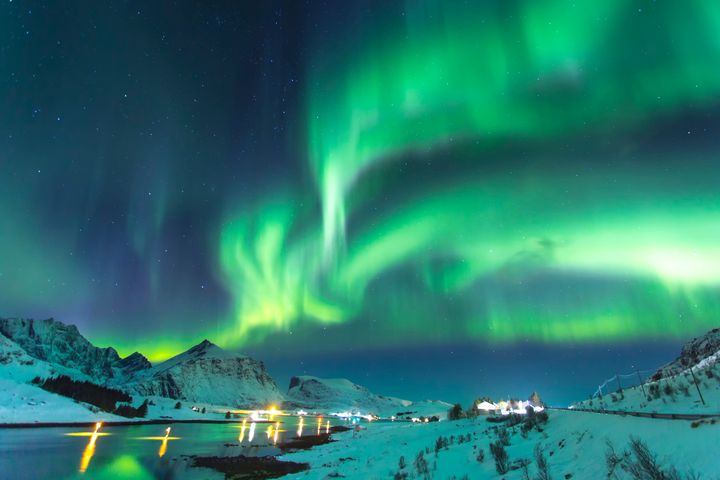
(63, 345)
(340, 394)
(207, 373)
(204, 374)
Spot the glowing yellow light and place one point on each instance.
(242, 431)
(89, 449)
(327, 427)
(163, 448)
(275, 436)
(300, 427)
(272, 411)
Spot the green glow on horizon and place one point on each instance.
(461, 74)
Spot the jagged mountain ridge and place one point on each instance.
(204, 374)
(61, 344)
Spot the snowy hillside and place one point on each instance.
(22, 402)
(689, 384)
(573, 444)
(61, 344)
(339, 394)
(207, 373)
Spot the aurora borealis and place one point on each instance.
(300, 178)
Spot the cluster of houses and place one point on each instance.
(520, 407)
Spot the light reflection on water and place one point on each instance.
(133, 451)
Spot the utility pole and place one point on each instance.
(641, 383)
(697, 386)
(617, 377)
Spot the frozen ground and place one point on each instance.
(574, 443)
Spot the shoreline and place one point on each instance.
(118, 423)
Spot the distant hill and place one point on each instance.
(340, 395)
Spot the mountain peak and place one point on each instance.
(204, 346)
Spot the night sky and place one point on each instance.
(431, 198)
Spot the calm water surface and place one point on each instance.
(138, 452)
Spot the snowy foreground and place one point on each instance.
(575, 445)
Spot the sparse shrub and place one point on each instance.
(499, 454)
(203, 410)
(684, 389)
(639, 463)
(655, 390)
(401, 474)
(543, 469)
(613, 460)
(668, 389)
(440, 443)
(523, 464)
(178, 406)
(503, 436)
(480, 456)
(421, 465)
(228, 414)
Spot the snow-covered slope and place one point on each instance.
(689, 384)
(17, 365)
(339, 394)
(22, 402)
(63, 345)
(701, 350)
(207, 373)
(574, 445)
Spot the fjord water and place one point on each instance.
(135, 451)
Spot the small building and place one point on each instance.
(487, 407)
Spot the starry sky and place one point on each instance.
(432, 198)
